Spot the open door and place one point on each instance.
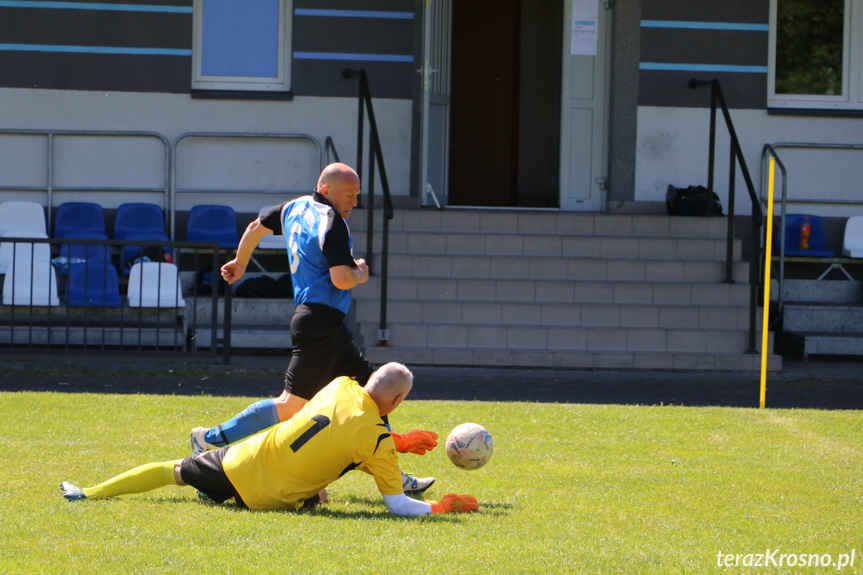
(509, 115)
(505, 102)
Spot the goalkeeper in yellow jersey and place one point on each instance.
(289, 465)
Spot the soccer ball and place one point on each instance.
(469, 446)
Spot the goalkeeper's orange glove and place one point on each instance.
(415, 441)
(452, 503)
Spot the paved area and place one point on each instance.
(820, 383)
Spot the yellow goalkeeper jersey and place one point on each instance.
(340, 429)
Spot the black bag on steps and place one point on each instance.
(692, 201)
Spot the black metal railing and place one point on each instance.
(376, 158)
(65, 293)
(735, 159)
(330, 148)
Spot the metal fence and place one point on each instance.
(113, 296)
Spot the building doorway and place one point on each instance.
(504, 117)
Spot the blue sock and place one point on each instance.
(255, 418)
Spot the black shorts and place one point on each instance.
(206, 474)
(324, 349)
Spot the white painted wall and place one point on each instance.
(243, 164)
(672, 148)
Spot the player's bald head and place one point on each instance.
(337, 173)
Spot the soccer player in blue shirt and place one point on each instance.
(323, 271)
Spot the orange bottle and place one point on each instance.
(804, 233)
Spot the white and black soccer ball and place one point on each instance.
(469, 446)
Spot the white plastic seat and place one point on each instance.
(15, 251)
(154, 284)
(27, 284)
(16, 215)
(852, 242)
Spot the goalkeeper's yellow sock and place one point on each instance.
(143, 478)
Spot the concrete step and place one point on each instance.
(822, 318)
(557, 268)
(23, 316)
(247, 337)
(825, 343)
(172, 337)
(565, 338)
(554, 315)
(460, 244)
(247, 311)
(816, 291)
(543, 222)
(554, 291)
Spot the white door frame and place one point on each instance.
(434, 142)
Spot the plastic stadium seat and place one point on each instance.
(138, 222)
(27, 284)
(80, 253)
(212, 223)
(26, 251)
(817, 237)
(80, 219)
(28, 216)
(154, 284)
(93, 285)
(139, 219)
(852, 241)
(269, 241)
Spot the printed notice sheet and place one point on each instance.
(585, 14)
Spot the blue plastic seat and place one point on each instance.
(817, 237)
(71, 254)
(138, 222)
(80, 219)
(212, 223)
(93, 285)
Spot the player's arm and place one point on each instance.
(404, 506)
(234, 269)
(268, 223)
(346, 277)
(345, 272)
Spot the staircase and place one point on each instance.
(823, 317)
(557, 290)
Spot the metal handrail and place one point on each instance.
(231, 135)
(50, 187)
(735, 158)
(767, 152)
(770, 150)
(375, 157)
(330, 146)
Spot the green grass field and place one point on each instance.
(570, 489)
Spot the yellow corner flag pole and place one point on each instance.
(765, 332)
